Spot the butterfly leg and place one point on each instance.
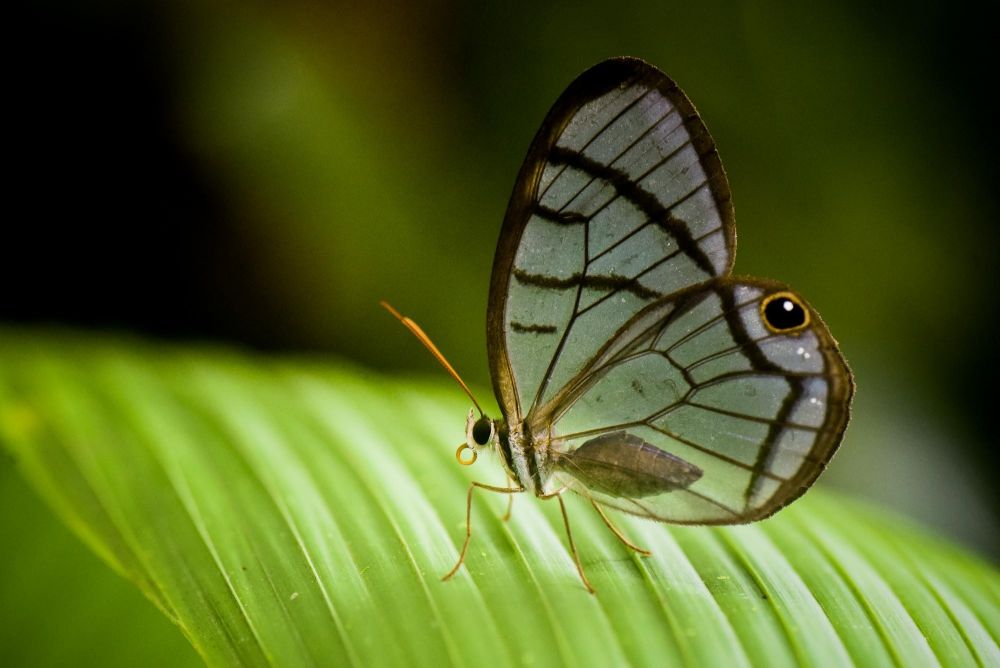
(617, 532)
(569, 536)
(510, 504)
(468, 518)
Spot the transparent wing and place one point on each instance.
(702, 412)
(621, 201)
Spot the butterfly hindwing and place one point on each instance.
(621, 201)
(736, 418)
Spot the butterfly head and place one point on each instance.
(480, 433)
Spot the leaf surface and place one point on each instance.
(301, 512)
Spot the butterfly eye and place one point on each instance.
(784, 313)
(482, 431)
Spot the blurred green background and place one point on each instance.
(264, 173)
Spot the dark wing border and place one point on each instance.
(595, 82)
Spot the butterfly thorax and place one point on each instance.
(525, 456)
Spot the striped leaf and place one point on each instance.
(292, 512)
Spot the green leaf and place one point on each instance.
(59, 604)
(295, 512)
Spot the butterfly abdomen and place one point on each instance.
(624, 465)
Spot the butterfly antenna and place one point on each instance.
(424, 339)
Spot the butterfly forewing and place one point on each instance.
(699, 377)
(621, 201)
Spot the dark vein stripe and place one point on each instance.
(612, 247)
(731, 312)
(560, 217)
(767, 453)
(653, 267)
(760, 362)
(532, 329)
(641, 198)
(613, 282)
(617, 193)
(621, 154)
(590, 141)
(688, 307)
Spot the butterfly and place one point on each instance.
(629, 365)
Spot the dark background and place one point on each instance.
(262, 174)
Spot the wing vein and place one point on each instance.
(619, 156)
(743, 416)
(714, 453)
(590, 141)
(663, 260)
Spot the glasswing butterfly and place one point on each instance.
(630, 366)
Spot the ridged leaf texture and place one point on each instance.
(300, 512)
